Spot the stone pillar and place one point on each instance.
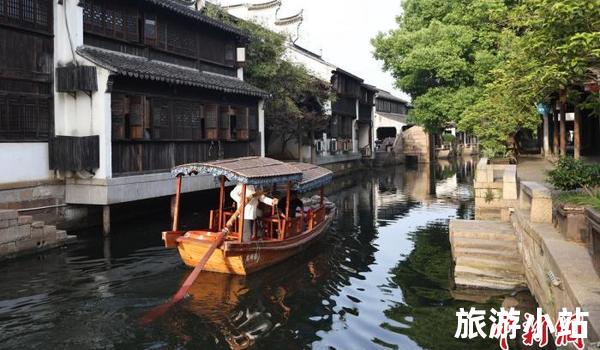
(563, 122)
(546, 135)
(106, 220)
(576, 133)
(555, 133)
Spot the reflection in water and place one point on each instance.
(378, 279)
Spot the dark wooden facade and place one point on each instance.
(74, 153)
(366, 102)
(153, 32)
(157, 125)
(391, 106)
(26, 70)
(348, 91)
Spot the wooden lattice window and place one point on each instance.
(27, 14)
(111, 19)
(25, 117)
(180, 39)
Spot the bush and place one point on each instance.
(570, 174)
(580, 198)
(448, 139)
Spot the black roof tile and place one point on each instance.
(143, 68)
(187, 11)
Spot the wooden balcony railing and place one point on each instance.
(147, 156)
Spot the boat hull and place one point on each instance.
(246, 258)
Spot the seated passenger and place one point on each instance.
(295, 203)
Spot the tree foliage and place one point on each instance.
(296, 104)
(486, 64)
(442, 54)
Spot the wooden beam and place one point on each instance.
(242, 212)
(221, 202)
(175, 205)
(287, 208)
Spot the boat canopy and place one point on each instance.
(259, 171)
(313, 176)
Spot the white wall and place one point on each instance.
(80, 114)
(380, 121)
(24, 162)
(265, 17)
(319, 68)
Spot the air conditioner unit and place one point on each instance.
(319, 146)
(333, 146)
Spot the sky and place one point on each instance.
(343, 29)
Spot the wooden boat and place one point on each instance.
(282, 236)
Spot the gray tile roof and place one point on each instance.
(387, 96)
(189, 12)
(143, 68)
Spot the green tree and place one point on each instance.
(442, 54)
(295, 108)
(549, 46)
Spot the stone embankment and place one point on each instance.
(20, 235)
(524, 248)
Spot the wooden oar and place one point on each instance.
(160, 310)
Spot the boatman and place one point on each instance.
(251, 209)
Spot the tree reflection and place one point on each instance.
(427, 314)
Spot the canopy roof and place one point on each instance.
(260, 171)
(248, 170)
(313, 176)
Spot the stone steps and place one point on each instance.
(486, 255)
(485, 283)
(489, 230)
(490, 263)
(491, 250)
(483, 244)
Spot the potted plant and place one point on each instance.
(577, 206)
(498, 154)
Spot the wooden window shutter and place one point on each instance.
(197, 113)
(118, 112)
(136, 117)
(211, 117)
(224, 123)
(150, 29)
(242, 123)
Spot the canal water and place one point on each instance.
(379, 280)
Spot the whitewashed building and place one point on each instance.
(100, 98)
(349, 136)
